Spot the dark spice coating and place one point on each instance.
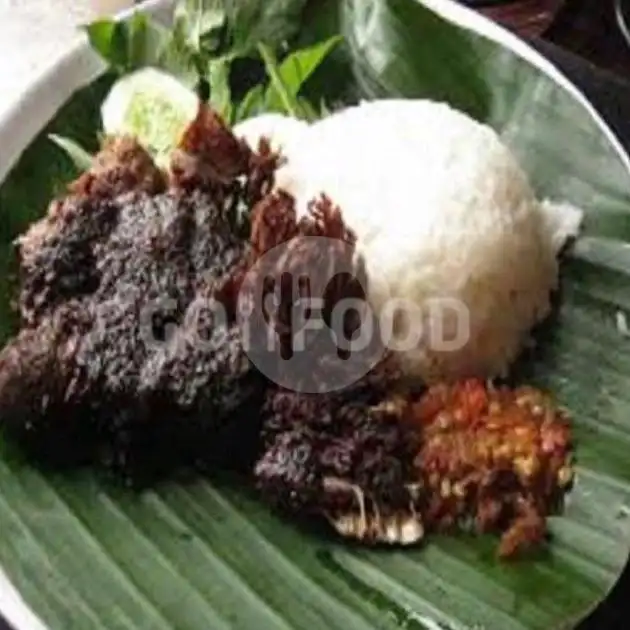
(210, 158)
(149, 379)
(326, 453)
(122, 165)
(292, 259)
(40, 397)
(355, 436)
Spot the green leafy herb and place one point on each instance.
(220, 92)
(307, 109)
(323, 109)
(108, 38)
(79, 156)
(206, 37)
(286, 80)
(295, 70)
(270, 22)
(146, 41)
(131, 44)
(202, 22)
(178, 60)
(252, 104)
(198, 30)
(284, 93)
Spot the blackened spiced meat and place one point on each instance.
(347, 456)
(154, 375)
(121, 166)
(40, 395)
(342, 453)
(296, 262)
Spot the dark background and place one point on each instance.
(583, 38)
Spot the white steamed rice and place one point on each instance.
(442, 210)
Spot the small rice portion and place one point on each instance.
(447, 223)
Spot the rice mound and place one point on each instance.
(442, 211)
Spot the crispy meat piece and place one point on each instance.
(56, 256)
(156, 377)
(210, 156)
(121, 166)
(299, 265)
(347, 456)
(500, 458)
(40, 396)
(153, 378)
(275, 222)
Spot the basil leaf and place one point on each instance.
(220, 93)
(296, 69)
(79, 156)
(177, 58)
(199, 19)
(324, 110)
(255, 21)
(109, 39)
(252, 104)
(146, 41)
(286, 99)
(308, 110)
(100, 34)
(129, 45)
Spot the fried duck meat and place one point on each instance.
(346, 455)
(129, 351)
(339, 452)
(386, 466)
(302, 268)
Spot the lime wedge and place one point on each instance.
(151, 105)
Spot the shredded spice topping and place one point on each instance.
(121, 166)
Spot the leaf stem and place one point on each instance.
(271, 66)
(81, 158)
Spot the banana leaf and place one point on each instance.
(78, 553)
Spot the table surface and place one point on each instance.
(583, 40)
